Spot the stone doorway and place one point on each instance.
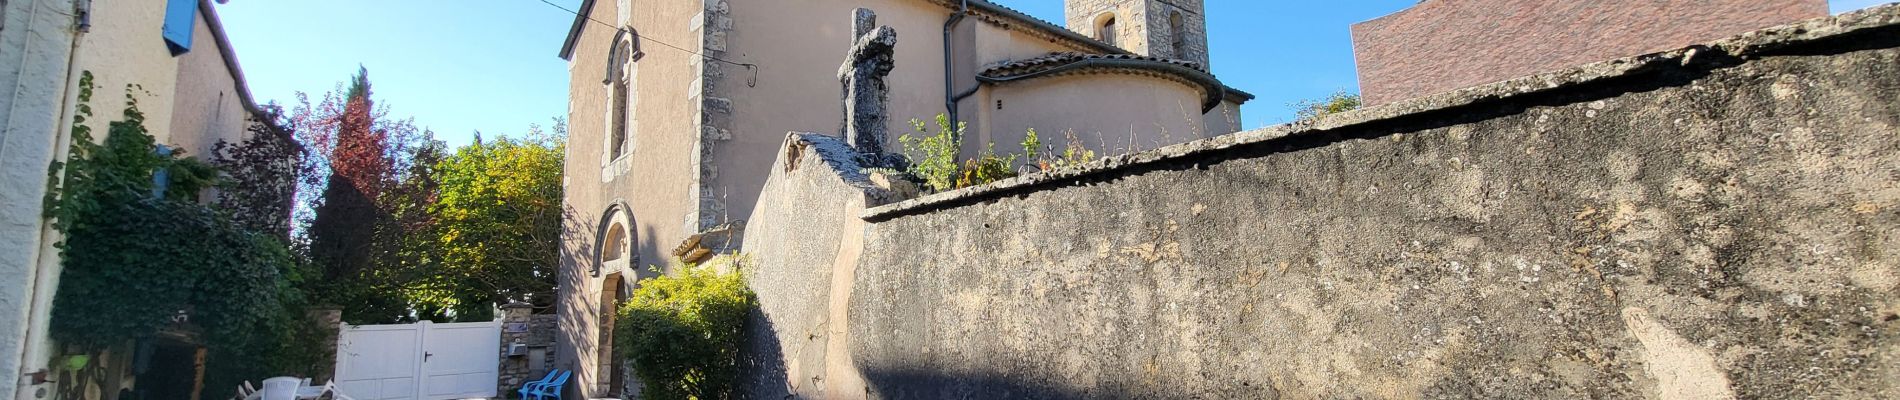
(610, 373)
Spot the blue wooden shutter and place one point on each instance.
(162, 178)
(180, 15)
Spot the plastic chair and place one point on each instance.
(526, 386)
(280, 388)
(550, 386)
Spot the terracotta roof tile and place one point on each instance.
(1052, 60)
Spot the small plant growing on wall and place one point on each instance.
(683, 331)
(934, 159)
(1047, 159)
(1338, 102)
(933, 156)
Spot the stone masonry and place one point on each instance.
(1145, 27)
(535, 334)
(1714, 222)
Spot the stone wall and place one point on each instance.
(535, 334)
(1716, 222)
(803, 270)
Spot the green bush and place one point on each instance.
(683, 332)
(933, 156)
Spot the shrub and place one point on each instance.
(933, 157)
(987, 167)
(683, 332)
(1338, 102)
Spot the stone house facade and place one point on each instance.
(1442, 45)
(193, 94)
(677, 110)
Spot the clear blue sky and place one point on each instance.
(458, 66)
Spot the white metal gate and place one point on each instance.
(421, 361)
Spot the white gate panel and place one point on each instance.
(450, 370)
(423, 361)
(378, 362)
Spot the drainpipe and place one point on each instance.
(950, 96)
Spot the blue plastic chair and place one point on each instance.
(549, 385)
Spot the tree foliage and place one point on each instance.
(356, 152)
(497, 223)
(262, 172)
(683, 332)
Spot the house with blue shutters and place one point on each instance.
(172, 57)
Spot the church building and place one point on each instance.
(677, 110)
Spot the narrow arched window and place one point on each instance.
(1106, 33)
(1179, 32)
(622, 99)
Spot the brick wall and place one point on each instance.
(1442, 45)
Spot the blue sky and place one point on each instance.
(458, 66)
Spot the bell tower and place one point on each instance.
(1174, 29)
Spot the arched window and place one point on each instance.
(614, 246)
(1179, 32)
(1105, 30)
(622, 72)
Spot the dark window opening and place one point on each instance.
(620, 118)
(1176, 28)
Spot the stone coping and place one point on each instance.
(1835, 32)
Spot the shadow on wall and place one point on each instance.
(576, 265)
(762, 372)
(923, 383)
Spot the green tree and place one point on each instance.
(496, 225)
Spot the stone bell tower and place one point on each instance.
(1174, 29)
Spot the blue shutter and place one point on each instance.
(162, 178)
(180, 15)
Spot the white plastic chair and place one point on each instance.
(280, 388)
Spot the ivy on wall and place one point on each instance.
(141, 255)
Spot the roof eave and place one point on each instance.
(574, 32)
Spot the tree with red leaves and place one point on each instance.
(355, 148)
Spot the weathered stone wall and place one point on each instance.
(1717, 222)
(805, 245)
(535, 334)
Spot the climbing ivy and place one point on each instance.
(140, 255)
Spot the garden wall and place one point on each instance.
(1717, 222)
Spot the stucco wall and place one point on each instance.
(797, 86)
(1124, 113)
(207, 106)
(37, 45)
(123, 48)
(1709, 223)
(654, 182)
